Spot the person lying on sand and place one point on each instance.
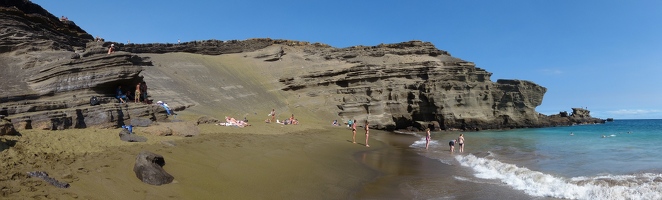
(231, 121)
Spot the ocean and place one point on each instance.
(617, 160)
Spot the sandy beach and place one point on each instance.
(313, 160)
(264, 161)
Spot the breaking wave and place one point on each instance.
(636, 186)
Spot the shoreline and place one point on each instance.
(261, 161)
(410, 175)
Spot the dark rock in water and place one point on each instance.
(125, 135)
(141, 122)
(52, 181)
(610, 119)
(149, 169)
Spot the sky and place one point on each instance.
(603, 55)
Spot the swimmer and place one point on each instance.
(572, 134)
(452, 145)
(603, 136)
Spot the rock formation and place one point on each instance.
(51, 68)
(149, 169)
(6, 127)
(443, 92)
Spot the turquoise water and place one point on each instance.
(550, 162)
(630, 146)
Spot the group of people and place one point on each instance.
(140, 94)
(451, 144)
(288, 121)
(459, 141)
(366, 127)
(64, 19)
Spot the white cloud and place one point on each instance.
(633, 112)
(552, 71)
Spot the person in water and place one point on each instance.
(427, 138)
(460, 141)
(452, 145)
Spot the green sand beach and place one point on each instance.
(222, 162)
(313, 160)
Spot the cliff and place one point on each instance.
(439, 92)
(50, 69)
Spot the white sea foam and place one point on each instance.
(421, 143)
(639, 186)
(480, 181)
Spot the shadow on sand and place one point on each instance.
(6, 144)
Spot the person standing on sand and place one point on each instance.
(452, 145)
(460, 141)
(354, 132)
(367, 132)
(136, 98)
(427, 138)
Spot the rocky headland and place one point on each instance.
(50, 69)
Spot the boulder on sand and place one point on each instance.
(207, 120)
(6, 127)
(149, 169)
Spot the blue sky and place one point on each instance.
(604, 55)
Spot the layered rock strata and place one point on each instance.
(50, 69)
(442, 92)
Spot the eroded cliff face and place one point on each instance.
(425, 87)
(50, 68)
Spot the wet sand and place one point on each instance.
(408, 175)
